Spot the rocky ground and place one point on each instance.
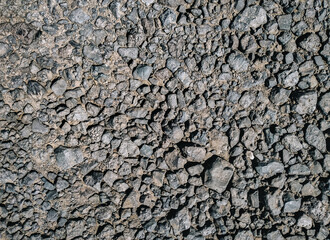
(169, 119)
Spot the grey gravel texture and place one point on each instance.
(169, 119)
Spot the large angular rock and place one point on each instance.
(129, 149)
(67, 158)
(310, 42)
(197, 154)
(288, 78)
(142, 72)
(131, 53)
(59, 87)
(218, 175)
(274, 202)
(292, 143)
(238, 62)
(4, 49)
(79, 16)
(315, 137)
(168, 18)
(251, 17)
(279, 96)
(244, 235)
(270, 169)
(306, 102)
(324, 103)
(39, 127)
(181, 221)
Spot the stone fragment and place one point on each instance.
(172, 64)
(324, 103)
(284, 22)
(275, 235)
(305, 222)
(310, 42)
(274, 202)
(129, 149)
(93, 53)
(279, 96)
(288, 78)
(270, 169)
(315, 137)
(59, 87)
(299, 169)
(67, 158)
(131, 53)
(142, 72)
(306, 102)
(78, 114)
(75, 228)
(39, 127)
(79, 16)
(168, 18)
(181, 221)
(292, 143)
(207, 65)
(244, 235)
(238, 62)
(249, 139)
(218, 174)
(292, 205)
(197, 154)
(158, 178)
(251, 17)
(310, 190)
(4, 49)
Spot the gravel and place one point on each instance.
(164, 119)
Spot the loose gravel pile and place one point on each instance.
(169, 119)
